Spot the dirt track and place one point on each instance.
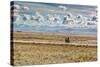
(63, 43)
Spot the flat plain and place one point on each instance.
(34, 48)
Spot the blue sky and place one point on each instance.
(70, 7)
(29, 9)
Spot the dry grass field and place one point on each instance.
(38, 52)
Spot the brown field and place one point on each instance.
(49, 48)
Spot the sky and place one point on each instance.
(86, 9)
(37, 16)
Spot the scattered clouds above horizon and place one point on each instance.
(39, 12)
(62, 7)
(33, 7)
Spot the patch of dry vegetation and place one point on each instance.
(38, 53)
(25, 54)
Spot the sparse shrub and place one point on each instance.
(67, 40)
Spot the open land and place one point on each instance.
(28, 48)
